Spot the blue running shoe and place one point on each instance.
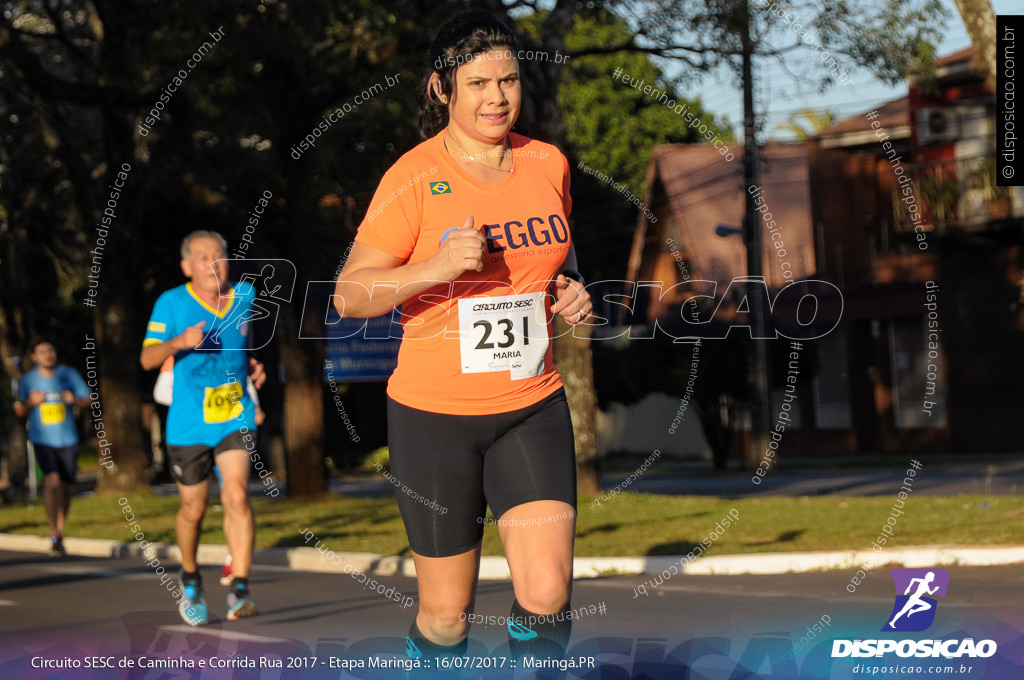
(57, 546)
(240, 605)
(192, 606)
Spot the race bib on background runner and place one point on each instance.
(504, 333)
(52, 413)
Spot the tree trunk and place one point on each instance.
(980, 21)
(303, 409)
(14, 298)
(303, 360)
(572, 354)
(117, 349)
(575, 362)
(17, 464)
(120, 317)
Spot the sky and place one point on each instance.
(777, 96)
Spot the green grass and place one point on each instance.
(628, 524)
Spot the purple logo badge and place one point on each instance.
(914, 609)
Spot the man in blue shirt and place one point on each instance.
(204, 325)
(47, 395)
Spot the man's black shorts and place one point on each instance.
(193, 464)
(60, 459)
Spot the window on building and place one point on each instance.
(832, 384)
(918, 376)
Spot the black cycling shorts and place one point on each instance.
(447, 469)
(193, 464)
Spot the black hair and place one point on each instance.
(460, 39)
(39, 340)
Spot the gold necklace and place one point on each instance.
(448, 132)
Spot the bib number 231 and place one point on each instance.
(504, 333)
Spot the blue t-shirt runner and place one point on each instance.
(47, 396)
(205, 325)
(52, 422)
(209, 400)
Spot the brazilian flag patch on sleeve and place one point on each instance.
(440, 188)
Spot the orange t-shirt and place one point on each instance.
(476, 357)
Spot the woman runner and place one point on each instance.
(468, 233)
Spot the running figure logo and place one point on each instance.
(914, 611)
(273, 282)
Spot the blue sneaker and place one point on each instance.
(240, 605)
(192, 606)
(57, 546)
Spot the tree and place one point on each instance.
(705, 36)
(611, 128)
(980, 21)
(51, 59)
(806, 123)
(85, 73)
(80, 75)
(882, 37)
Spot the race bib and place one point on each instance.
(222, 403)
(505, 333)
(52, 414)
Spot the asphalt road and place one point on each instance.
(697, 627)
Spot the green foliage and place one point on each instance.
(378, 457)
(806, 123)
(613, 126)
(79, 77)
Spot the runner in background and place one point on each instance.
(47, 395)
(211, 417)
(163, 393)
(480, 258)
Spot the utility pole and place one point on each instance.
(761, 397)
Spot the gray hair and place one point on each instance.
(186, 243)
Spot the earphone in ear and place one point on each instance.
(434, 87)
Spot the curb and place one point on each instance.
(496, 568)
